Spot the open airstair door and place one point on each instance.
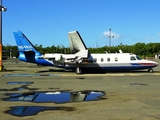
(80, 50)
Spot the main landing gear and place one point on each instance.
(78, 69)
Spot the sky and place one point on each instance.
(47, 22)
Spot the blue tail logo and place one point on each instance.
(23, 43)
(27, 51)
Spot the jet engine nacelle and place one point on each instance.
(55, 56)
(58, 57)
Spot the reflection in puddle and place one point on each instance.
(33, 110)
(24, 83)
(24, 75)
(57, 97)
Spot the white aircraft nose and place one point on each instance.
(155, 64)
(150, 63)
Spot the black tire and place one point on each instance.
(150, 70)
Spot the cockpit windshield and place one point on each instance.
(138, 58)
(135, 58)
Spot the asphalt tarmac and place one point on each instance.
(127, 95)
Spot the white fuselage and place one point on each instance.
(106, 62)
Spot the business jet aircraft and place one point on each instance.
(81, 60)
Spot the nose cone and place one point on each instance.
(156, 64)
(149, 63)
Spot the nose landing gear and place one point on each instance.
(150, 70)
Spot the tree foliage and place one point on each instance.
(141, 49)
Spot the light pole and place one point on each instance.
(110, 37)
(2, 8)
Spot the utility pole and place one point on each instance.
(2, 8)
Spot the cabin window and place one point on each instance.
(132, 58)
(95, 59)
(108, 59)
(116, 59)
(102, 60)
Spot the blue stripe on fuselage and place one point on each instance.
(136, 66)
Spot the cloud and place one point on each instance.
(158, 34)
(113, 35)
(149, 38)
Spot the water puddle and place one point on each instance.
(57, 97)
(22, 111)
(23, 87)
(21, 83)
(27, 75)
(138, 84)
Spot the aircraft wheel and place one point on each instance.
(78, 70)
(150, 70)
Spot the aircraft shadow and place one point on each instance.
(52, 70)
(95, 72)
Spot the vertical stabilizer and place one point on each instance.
(27, 52)
(23, 43)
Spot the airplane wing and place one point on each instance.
(78, 47)
(76, 42)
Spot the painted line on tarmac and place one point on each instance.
(73, 74)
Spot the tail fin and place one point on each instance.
(27, 51)
(23, 44)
